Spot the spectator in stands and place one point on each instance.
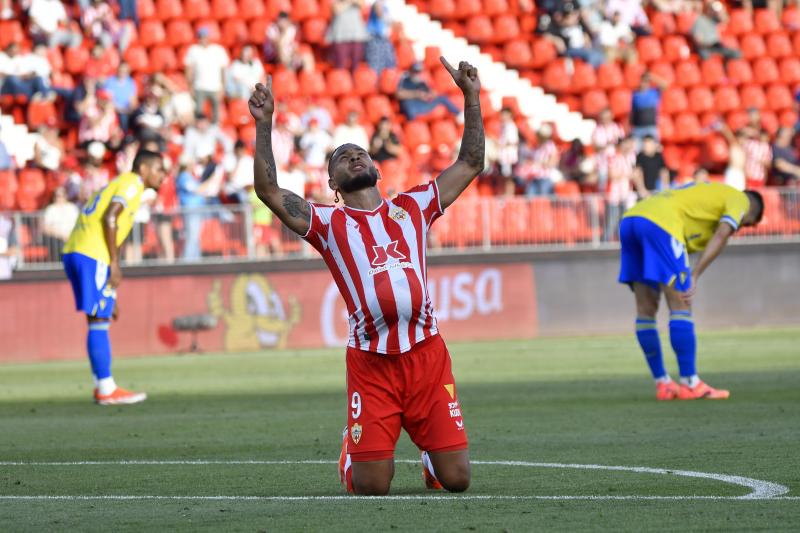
(347, 34)
(266, 234)
(49, 24)
(315, 144)
(785, 163)
(6, 10)
(241, 176)
(282, 46)
(6, 161)
(94, 175)
(48, 148)
(620, 194)
(617, 39)
(204, 138)
(99, 120)
(737, 158)
(100, 23)
(380, 53)
(314, 111)
(147, 122)
(651, 173)
(194, 194)
(754, 125)
(384, 144)
(24, 74)
(293, 178)
(243, 74)
(631, 14)
(507, 148)
(705, 32)
(101, 64)
(758, 159)
(417, 98)
(9, 252)
(59, 219)
(538, 168)
(282, 141)
(571, 162)
(205, 69)
(123, 94)
(175, 101)
(606, 131)
(351, 132)
(645, 102)
(579, 44)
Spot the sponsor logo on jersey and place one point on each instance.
(455, 410)
(381, 256)
(355, 433)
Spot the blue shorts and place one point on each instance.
(88, 278)
(652, 256)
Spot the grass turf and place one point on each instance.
(548, 400)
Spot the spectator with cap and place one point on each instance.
(351, 132)
(204, 138)
(123, 94)
(416, 96)
(243, 74)
(384, 144)
(347, 34)
(205, 69)
(705, 32)
(645, 102)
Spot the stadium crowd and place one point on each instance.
(95, 122)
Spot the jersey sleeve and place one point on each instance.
(318, 228)
(427, 199)
(126, 191)
(736, 206)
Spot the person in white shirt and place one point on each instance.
(59, 219)
(24, 74)
(243, 74)
(49, 24)
(202, 138)
(315, 144)
(351, 132)
(241, 177)
(616, 38)
(205, 69)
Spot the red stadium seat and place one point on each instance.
(75, 59)
(674, 101)
(662, 24)
(649, 49)
(196, 9)
(687, 74)
(56, 59)
(506, 28)
(583, 77)
(388, 80)
(234, 32)
(701, 99)
(238, 112)
(257, 30)
(663, 70)
(479, 29)
(740, 23)
(713, 71)
(791, 18)
(788, 118)
(442, 9)
(727, 99)
(716, 150)
(146, 9)
(163, 59)
(765, 71)
(517, 54)
(339, 82)
(31, 189)
(312, 82)
(495, 7)
(752, 96)
(305, 9)
(736, 120)
(405, 54)
(223, 9)
(248, 9)
(284, 82)
(168, 9)
(314, 30)
(179, 33)
(779, 98)
(684, 21)
(753, 46)
(609, 76)
(676, 48)
(212, 26)
(151, 33)
(137, 59)
(416, 133)
(620, 102)
(593, 101)
(779, 45)
(790, 70)
(633, 74)
(365, 81)
(350, 103)
(40, 112)
(739, 71)
(8, 189)
(544, 52)
(468, 8)
(555, 78)
(378, 106)
(443, 132)
(769, 121)
(766, 22)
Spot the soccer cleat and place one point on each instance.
(667, 391)
(430, 480)
(345, 472)
(702, 391)
(120, 396)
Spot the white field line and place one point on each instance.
(760, 490)
(383, 498)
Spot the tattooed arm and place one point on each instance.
(457, 177)
(293, 210)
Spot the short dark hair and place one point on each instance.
(755, 196)
(144, 157)
(649, 137)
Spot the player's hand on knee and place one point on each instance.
(115, 312)
(115, 276)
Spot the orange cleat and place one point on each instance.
(702, 391)
(120, 396)
(345, 472)
(430, 480)
(667, 391)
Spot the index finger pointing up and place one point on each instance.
(447, 65)
(269, 82)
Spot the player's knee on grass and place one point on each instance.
(373, 478)
(452, 469)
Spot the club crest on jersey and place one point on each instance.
(398, 214)
(355, 433)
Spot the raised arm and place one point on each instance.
(455, 178)
(293, 210)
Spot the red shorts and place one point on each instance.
(414, 390)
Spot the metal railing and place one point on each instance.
(225, 232)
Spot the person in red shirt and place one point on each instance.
(398, 367)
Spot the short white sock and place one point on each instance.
(691, 381)
(106, 386)
(664, 379)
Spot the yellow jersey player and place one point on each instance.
(656, 236)
(91, 262)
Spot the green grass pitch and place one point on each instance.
(578, 400)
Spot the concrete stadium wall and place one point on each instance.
(477, 296)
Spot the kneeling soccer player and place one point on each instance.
(91, 262)
(656, 236)
(398, 368)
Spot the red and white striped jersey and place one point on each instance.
(378, 261)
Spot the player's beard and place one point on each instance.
(365, 180)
